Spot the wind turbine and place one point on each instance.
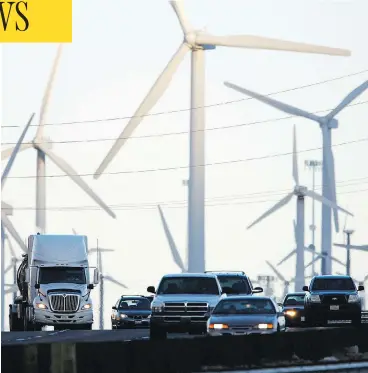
(326, 123)
(300, 192)
(198, 41)
(281, 278)
(348, 246)
(173, 248)
(43, 148)
(309, 248)
(6, 210)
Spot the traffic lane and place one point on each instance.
(15, 338)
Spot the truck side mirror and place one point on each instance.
(305, 288)
(151, 289)
(360, 288)
(27, 275)
(37, 286)
(114, 308)
(90, 286)
(96, 276)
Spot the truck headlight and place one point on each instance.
(87, 306)
(41, 306)
(157, 308)
(315, 299)
(353, 298)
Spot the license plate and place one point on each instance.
(302, 318)
(138, 322)
(334, 308)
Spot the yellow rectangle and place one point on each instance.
(36, 21)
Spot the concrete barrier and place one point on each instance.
(180, 355)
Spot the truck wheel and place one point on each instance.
(157, 333)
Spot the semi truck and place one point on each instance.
(54, 284)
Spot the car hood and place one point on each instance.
(332, 292)
(242, 319)
(212, 299)
(135, 312)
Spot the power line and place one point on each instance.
(177, 133)
(199, 107)
(187, 167)
(154, 205)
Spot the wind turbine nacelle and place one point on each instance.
(333, 123)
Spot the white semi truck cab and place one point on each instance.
(54, 284)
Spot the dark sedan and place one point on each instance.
(131, 312)
(293, 308)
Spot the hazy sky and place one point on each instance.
(117, 53)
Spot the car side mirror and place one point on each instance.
(37, 286)
(114, 308)
(361, 288)
(257, 289)
(151, 289)
(305, 288)
(90, 286)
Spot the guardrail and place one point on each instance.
(183, 355)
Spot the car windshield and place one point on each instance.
(70, 275)
(134, 304)
(188, 285)
(244, 307)
(237, 284)
(333, 284)
(294, 299)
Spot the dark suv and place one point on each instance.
(332, 298)
(235, 282)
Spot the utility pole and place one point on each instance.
(313, 165)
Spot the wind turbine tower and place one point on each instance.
(198, 42)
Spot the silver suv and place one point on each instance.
(183, 303)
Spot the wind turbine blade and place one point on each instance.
(6, 153)
(348, 99)
(116, 282)
(325, 201)
(278, 274)
(46, 97)
(11, 248)
(274, 103)
(287, 257)
(359, 247)
(15, 152)
(340, 245)
(10, 228)
(180, 13)
(346, 219)
(260, 42)
(74, 231)
(318, 257)
(278, 205)
(11, 289)
(173, 248)
(74, 176)
(147, 104)
(6, 208)
(295, 159)
(337, 261)
(102, 250)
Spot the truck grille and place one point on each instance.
(334, 299)
(64, 302)
(187, 308)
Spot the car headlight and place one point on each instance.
(157, 307)
(265, 326)
(218, 326)
(290, 313)
(41, 306)
(315, 299)
(87, 306)
(353, 298)
(121, 316)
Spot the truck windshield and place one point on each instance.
(244, 307)
(236, 283)
(48, 275)
(188, 285)
(333, 284)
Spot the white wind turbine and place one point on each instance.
(198, 41)
(6, 210)
(326, 123)
(300, 192)
(43, 148)
(307, 248)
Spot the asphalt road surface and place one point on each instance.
(12, 338)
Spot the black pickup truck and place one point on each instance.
(332, 298)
